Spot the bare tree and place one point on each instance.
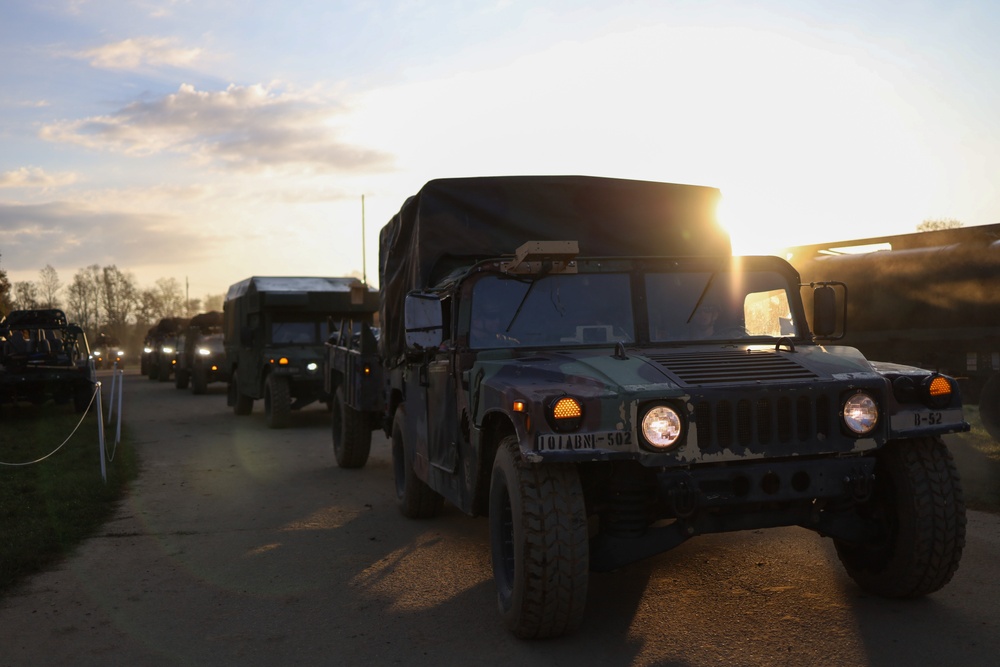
(936, 224)
(26, 295)
(171, 297)
(148, 307)
(84, 297)
(214, 302)
(118, 297)
(48, 287)
(5, 296)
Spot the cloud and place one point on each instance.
(242, 128)
(132, 54)
(67, 234)
(35, 177)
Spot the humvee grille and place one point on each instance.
(729, 367)
(766, 416)
(770, 419)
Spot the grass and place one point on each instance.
(47, 508)
(977, 456)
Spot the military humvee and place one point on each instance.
(584, 361)
(201, 359)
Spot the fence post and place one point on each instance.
(100, 431)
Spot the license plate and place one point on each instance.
(562, 442)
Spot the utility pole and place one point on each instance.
(364, 263)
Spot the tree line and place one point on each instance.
(104, 300)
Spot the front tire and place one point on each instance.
(199, 383)
(242, 404)
(277, 401)
(416, 499)
(919, 505)
(352, 439)
(180, 379)
(539, 544)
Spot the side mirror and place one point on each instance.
(423, 321)
(825, 311)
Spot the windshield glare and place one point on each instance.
(594, 309)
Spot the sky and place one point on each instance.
(211, 140)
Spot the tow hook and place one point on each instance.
(683, 499)
(861, 485)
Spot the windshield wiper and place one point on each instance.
(701, 298)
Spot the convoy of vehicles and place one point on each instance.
(43, 357)
(583, 361)
(275, 329)
(545, 362)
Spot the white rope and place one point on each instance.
(68, 438)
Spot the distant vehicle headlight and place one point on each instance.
(860, 413)
(97, 353)
(167, 350)
(204, 351)
(312, 366)
(120, 353)
(661, 427)
(147, 350)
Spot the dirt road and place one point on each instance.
(241, 545)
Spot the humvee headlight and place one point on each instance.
(661, 427)
(937, 390)
(97, 353)
(147, 350)
(119, 353)
(167, 350)
(565, 414)
(311, 366)
(860, 413)
(204, 351)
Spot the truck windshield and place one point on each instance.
(597, 308)
(697, 305)
(302, 333)
(560, 310)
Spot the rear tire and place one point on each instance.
(919, 505)
(277, 401)
(416, 499)
(242, 404)
(352, 439)
(539, 544)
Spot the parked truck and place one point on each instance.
(583, 361)
(275, 329)
(926, 299)
(43, 357)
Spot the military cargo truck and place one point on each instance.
(275, 329)
(201, 359)
(926, 299)
(42, 357)
(584, 361)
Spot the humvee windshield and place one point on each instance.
(299, 333)
(598, 308)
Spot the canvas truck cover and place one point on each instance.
(318, 294)
(456, 221)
